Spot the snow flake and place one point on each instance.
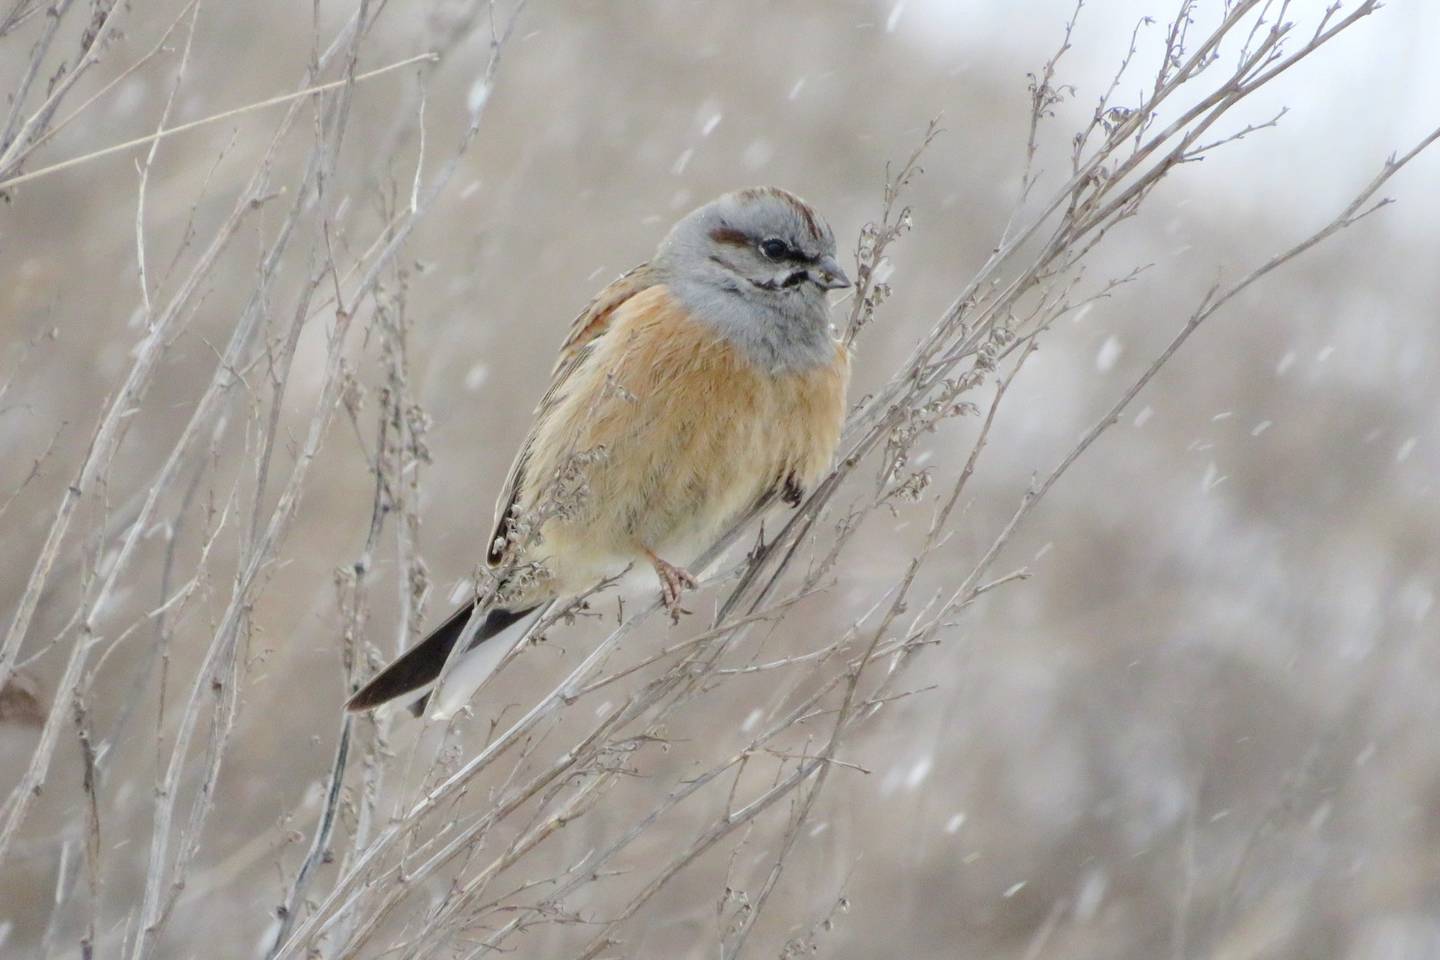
(752, 720)
(896, 12)
(479, 95)
(759, 153)
(1109, 352)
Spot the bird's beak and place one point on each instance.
(827, 274)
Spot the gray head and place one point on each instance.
(756, 264)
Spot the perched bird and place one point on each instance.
(697, 388)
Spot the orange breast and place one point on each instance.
(691, 432)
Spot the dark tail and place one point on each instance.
(418, 667)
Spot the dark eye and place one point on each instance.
(774, 248)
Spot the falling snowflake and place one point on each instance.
(1109, 352)
(759, 153)
(896, 12)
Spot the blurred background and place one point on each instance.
(1206, 725)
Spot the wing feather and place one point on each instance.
(592, 322)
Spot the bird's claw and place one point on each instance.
(674, 581)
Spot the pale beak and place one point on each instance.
(826, 273)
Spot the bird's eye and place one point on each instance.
(774, 248)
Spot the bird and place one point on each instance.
(703, 386)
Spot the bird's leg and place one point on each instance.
(674, 581)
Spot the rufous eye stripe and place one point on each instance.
(726, 234)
